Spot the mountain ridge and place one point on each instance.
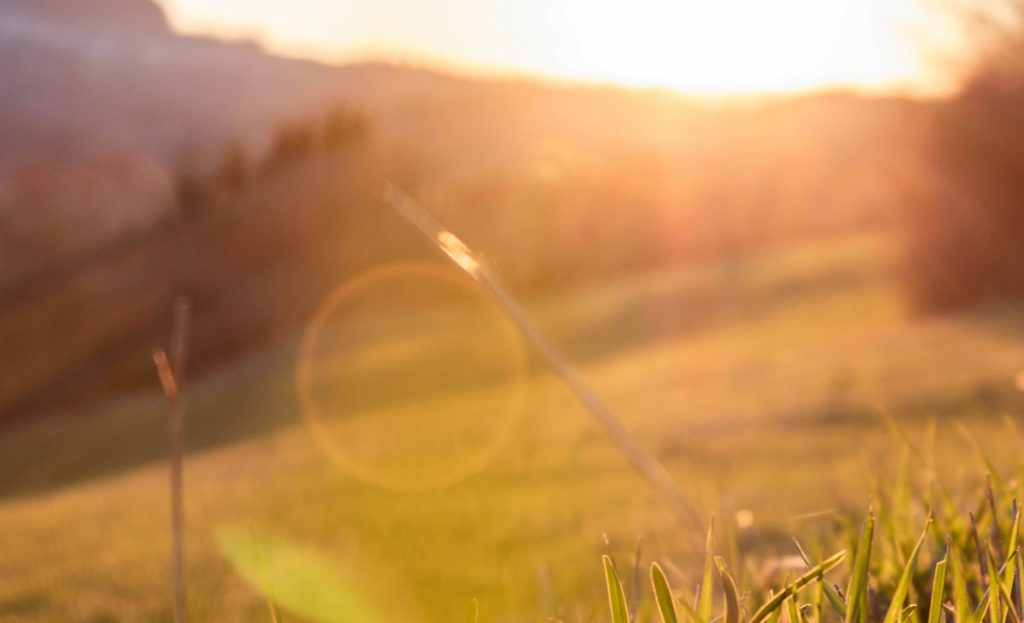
(141, 15)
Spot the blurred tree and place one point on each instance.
(344, 129)
(233, 173)
(188, 190)
(292, 142)
(966, 241)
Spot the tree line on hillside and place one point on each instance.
(571, 214)
(966, 238)
(564, 211)
(342, 129)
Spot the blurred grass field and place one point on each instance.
(759, 381)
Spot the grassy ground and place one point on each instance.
(759, 382)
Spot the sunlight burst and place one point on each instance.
(710, 48)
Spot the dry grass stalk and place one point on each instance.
(171, 370)
(642, 459)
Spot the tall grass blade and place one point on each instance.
(834, 598)
(894, 614)
(995, 608)
(463, 257)
(938, 590)
(816, 602)
(792, 611)
(616, 596)
(1006, 586)
(1016, 592)
(732, 597)
(983, 607)
(705, 601)
(171, 371)
(961, 597)
(908, 612)
(1010, 574)
(773, 604)
(635, 593)
(983, 565)
(776, 613)
(857, 593)
(996, 532)
(1018, 584)
(663, 595)
(690, 612)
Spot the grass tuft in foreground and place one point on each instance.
(908, 565)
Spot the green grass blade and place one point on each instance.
(816, 601)
(1018, 584)
(616, 596)
(1014, 535)
(706, 599)
(983, 607)
(978, 549)
(792, 611)
(663, 595)
(689, 611)
(817, 597)
(1006, 597)
(961, 598)
(908, 612)
(732, 598)
(938, 588)
(792, 588)
(834, 598)
(857, 594)
(996, 533)
(995, 608)
(775, 615)
(894, 615)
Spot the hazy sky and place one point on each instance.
(706, 47)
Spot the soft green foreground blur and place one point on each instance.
(758, 382)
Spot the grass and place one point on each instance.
(758, 384)
(971, 570)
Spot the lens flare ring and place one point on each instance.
(505, 418)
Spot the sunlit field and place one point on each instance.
(764, 383)
(546, 311)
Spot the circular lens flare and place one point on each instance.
(410, 377)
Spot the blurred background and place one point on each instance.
(761, 230)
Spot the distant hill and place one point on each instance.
(81, 76)
(104, 108)
(97, 15)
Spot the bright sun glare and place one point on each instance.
(709, 47)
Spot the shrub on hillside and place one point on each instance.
(344, 129)
(233, 171)
(292, 144)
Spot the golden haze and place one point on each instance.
(718, 48)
